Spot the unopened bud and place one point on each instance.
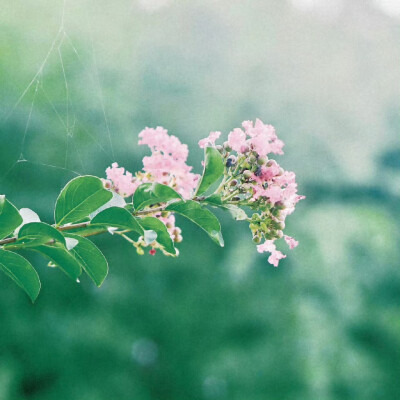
(244, 149)
(253, 227)
(140, 251)
(247, 174)
(269, 235)
(261, 161)
(236, 198)
(233, 183)
(231, 161)
(227, 147)
(219, 148)
(252, 159)
(258, 171)
(256, 239)
(275, 211)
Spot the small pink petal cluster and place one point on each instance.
(166, 165)
(256, 181)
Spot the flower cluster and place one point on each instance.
(255, 181)
(251, 180)
(166, 165)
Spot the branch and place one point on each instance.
(83, 225)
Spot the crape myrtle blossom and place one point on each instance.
(256, 181)
(252, 181)
(210, 140)
(166, 165)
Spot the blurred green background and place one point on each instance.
(79, 81)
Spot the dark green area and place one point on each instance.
(213, 323)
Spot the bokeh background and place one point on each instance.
(80, 79)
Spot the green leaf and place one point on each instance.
(163, 237)
(153, 193)
(10, 219)
(60, 256)
(235, 211)
(213, 169)
(90, 258)
(21, 272)
(38, 233)
(80, 197)
(214, 200)
(117, 217)
(200, 216)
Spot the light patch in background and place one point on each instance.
(214, 387)
(327, 9)
(389, 7)
(145, 352)
(153, 5)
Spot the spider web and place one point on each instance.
(63, 140)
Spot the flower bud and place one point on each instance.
(256, 239)
(140, 251)
(227, 147)
(247, 174)
(219, 148)
(275, 211)
(236, 198)
(244, 149)
(233, 183)
(258, 171)
(261, 160)
(231, 161)
(253, 227)
(269, 235)
(252, 159)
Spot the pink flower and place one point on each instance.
(121, 181)
(275, 257)
(263, 138)
(272, 171)
(269, 246)
(237, 139)
(274, 193)
(152, 252)
(210, 140)
(159, 140)
(291, 242)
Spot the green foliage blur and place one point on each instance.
(213, 323)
